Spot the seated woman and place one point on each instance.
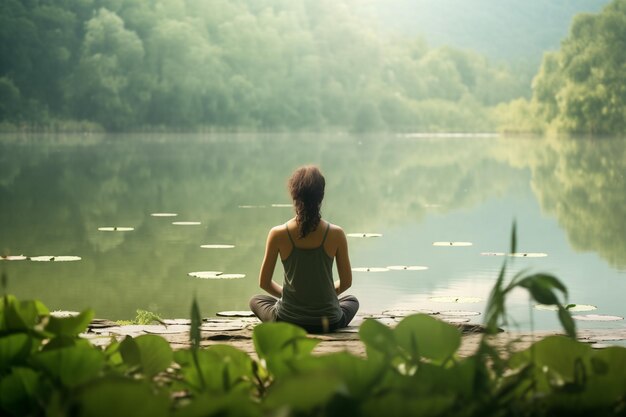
(307, 246)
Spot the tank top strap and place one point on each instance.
(325, 234)
(289, 234)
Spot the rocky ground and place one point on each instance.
(237, 332)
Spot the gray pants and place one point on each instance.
(264, 307)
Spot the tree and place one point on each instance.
(109, 85)
(582, 88)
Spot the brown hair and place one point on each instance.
(306, 187)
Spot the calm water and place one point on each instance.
(568, 198)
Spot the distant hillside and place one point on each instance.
(501, 29)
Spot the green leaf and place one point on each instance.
(155, 352)
(302, 392)
(377, 336)
(514, 237)
(358, 375)
(423, 336)
(18, 392)
(541, 288)
(70, 326)
(223, 369)
(151, 353)
(71, 366)
(233, 404)
(20, 315)
(130, 352)
(281, 344)
(114, 396)
(272, 338)
(14, 349)
(196, 322)
(565, 317)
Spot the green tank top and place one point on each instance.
(309, 295)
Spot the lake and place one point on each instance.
(568, 198)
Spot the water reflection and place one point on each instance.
(583, 184)
(55, 194)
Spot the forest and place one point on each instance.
(272, 65)
(225, 65)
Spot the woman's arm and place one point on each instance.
(268, 265)
(343, 264)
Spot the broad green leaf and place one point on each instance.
(424, 336)
(377, 336)
(607, 383)
(151, 353)
(281, 344)
(234, 404)
(555, 359)
(155, 352)
(14, 349)
(114, 396)
(272, 338)
(18, 392)
(302, 392)
(21, 315)
(130, 352)
(70, 326)
(223, 369)
(71, 366)
(358, 374)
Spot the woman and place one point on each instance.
(307, 246)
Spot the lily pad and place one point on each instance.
(164, 214)
(407, 268)
(235, 313)
(186, 223)
(364, 235)
(370, 269)
(64, 314)
(217, 246)
(172, 329)
(493, 253)
(229, 276)
(607, 338)
(170, 322)
(55, 258)
(204, 274)
(459, 313)
(455, 320)
(282, 205)
(222, 327)
(404, 313)
(250, 206)
(528, 255)
(597, 317)
(452, 243)
(116, 229)
(570, 307)
(454, 299)
(14, 258)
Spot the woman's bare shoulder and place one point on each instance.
(335, 230)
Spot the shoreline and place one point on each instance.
(237, 332)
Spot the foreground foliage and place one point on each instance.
(412, 369)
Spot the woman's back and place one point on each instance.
(309, 294)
